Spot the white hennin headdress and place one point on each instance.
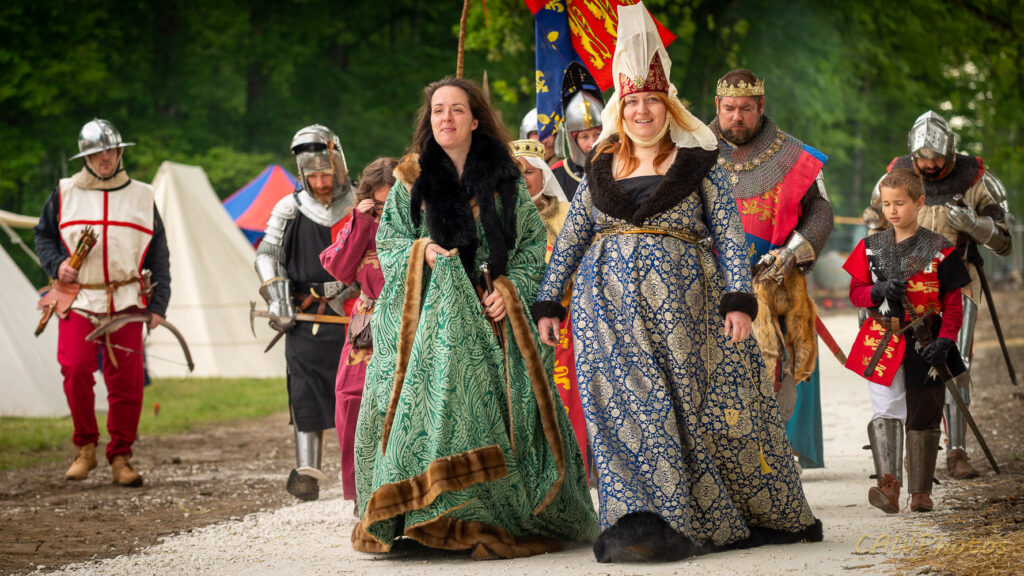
(532, 151)
(634, 69)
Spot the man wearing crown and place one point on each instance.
(787, 217)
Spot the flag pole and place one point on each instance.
(462, 38)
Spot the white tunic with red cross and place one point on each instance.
(123, 222)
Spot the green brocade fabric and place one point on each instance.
(459, 469)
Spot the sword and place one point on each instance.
(979, 263)
(970, 248)
(924, 337)
(300, 317)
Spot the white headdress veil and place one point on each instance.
(637, 43)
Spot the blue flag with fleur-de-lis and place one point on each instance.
(554, 53)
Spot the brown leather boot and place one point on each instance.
(123, 472)
(921, 502)
(84, 462)
(886, 496)
(958, 465)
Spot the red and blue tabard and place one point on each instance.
(770, 217)
(923, 294)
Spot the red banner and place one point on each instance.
(593, 25)
(565, 381)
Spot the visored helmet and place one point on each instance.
(317, 149)
(583, 112)
(931, 137)
(98, 135)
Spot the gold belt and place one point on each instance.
(684, 235)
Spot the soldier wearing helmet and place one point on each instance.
(582, 106)
(130, 240)
(966, 203)
(552, 144)
(300, 227)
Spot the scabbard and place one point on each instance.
(877, 356)
(829, 341)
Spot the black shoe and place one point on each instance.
(642, 537)
(302, 487)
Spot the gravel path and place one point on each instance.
(313, 538)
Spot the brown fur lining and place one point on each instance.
(447, 474)
(488, 542)
(538, 382)
(407, 330)
(408, 170)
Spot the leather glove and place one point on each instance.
(781, 266)
(281, 314)
(935, 353)
(889, 288)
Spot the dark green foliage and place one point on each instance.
(225, 85)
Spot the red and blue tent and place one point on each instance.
(250, 206)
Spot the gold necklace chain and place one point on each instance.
(763, 157)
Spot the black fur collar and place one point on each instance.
(683, 178)
(489, 172)
(966, 171)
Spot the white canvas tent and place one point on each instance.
(212, 283)
(30, 379)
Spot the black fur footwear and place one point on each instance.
(761, 536)
(302, 487)
(642, 537)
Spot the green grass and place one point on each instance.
(183, 406)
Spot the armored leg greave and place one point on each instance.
(308, 452)
(886, 438)
(922, 448)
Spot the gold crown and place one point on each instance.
(527, 148)
(724, 89)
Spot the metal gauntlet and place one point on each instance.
(802, 250)
(276, 290)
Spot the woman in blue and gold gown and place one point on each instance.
(690, 450)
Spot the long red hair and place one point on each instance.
(625, 147)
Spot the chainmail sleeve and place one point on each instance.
(817, 220)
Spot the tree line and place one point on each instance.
(225, 85)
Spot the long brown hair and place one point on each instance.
(625, 147)
(376, 174)
(487, 121)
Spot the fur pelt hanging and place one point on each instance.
(489, 174)
(785, 327)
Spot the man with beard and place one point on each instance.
(300, 227)
(787, 217)
(967, 204)
(127, 272)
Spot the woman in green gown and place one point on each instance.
(462, 443)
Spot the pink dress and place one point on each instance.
(353, 257)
